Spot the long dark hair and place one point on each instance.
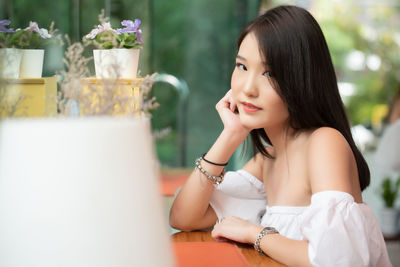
(296, 52)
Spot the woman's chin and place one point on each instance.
(249, 125)
(250, 122)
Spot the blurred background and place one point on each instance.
(195, 41)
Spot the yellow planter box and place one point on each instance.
(29, 97)
(110, 96)
(38, 97)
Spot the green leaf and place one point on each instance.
(389, 194)
(107, 45)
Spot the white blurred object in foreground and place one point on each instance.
(80, 192)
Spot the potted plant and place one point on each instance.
(10, 57)
(390, 213)
(32, 41)
(82, 96)
(117, 50)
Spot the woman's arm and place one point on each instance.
(191, 209)
(287, 251)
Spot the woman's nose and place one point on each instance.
(250, 86)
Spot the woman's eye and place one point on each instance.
(241, 66)
(267, 74)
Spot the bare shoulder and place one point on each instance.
(331, 163)
(255, 166)
(327, 136)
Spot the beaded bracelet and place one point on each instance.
(265, 231)
(213, 163)
(216, 180)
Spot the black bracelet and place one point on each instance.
(213, 163)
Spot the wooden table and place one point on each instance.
(248, 251)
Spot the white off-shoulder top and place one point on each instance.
(340, 231)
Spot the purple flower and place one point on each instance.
(33, 27)
(100, 28)
(130, 26)
(128, 37)
(3, 24)
(139, 36)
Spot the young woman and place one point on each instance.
(298, 199)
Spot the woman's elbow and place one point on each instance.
(179, 224)
(173, 221)
(176, 221)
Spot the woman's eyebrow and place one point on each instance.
(240, 57)
(244, 59)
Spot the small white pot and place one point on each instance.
(390, 221)
(10, 61)
(31, 63)
(116, 63)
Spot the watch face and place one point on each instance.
(270, 230)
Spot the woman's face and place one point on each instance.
(258, 103)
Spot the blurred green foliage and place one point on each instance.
(195, 41)
(389, 191)
(371, 28)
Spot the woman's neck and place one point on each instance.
(280, 138)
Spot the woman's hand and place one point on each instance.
(236, 229)
(227, 110)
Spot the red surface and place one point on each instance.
(208, 254)
(171, 182)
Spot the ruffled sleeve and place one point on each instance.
(241, 195)
(342, 232)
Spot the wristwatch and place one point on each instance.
(266, 231)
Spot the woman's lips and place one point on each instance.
(250, 108)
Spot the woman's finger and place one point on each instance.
(225, 102)
(232, 105)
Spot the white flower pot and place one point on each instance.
(71, 196)
(390, 221)
(10, 61)
(31, 63)
(116, 63)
